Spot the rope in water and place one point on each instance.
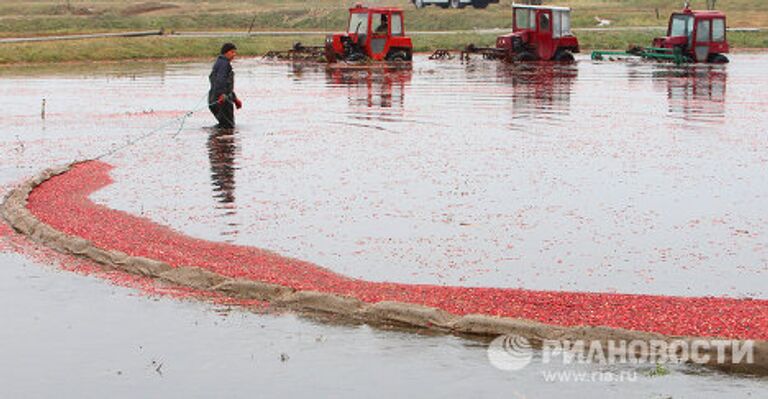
(180, 121)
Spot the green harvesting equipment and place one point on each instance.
(675, 55)
(692, 36)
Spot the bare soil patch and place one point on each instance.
(148, 7)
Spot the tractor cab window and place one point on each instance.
(397, 25)
(718, 30)
(682, 25)
(380, 24)
(544, 22)
(358, 23)
(561, 23)
(525, 18)
(702, 31)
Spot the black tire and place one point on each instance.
(717, 59)
(355, 57)
(397, 56)
(564, 56)
(419, 3)
(454, 3)
(480, 3)
(525, 56)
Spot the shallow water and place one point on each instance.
(66, 335)
(633, 178)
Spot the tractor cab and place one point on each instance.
(700, 35)
(540, 33)
(376, 33)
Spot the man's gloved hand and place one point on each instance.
(238, 103)
(221, 99)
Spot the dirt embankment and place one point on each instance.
(148, 7)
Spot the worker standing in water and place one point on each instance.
(222, 98)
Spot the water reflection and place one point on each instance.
(696, 93)
(372, 87)
(223, 150)
(540, 89)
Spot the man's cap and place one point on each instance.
(227, 47)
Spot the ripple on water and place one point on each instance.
(595, 176)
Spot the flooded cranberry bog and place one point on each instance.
(627, 195)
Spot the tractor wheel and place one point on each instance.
(717, 59)
(355, 57)
(525, 56)
(564, 56)
(397, 56)
(418, 3)
(480, 3)
(454, 3)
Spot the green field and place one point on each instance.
(48, 17)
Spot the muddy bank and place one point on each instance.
(391, 313)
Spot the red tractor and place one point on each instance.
(373, 33)
(692, 36)
(700, 35)
(376, 33)
(540, 33)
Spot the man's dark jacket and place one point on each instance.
(222, 80)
